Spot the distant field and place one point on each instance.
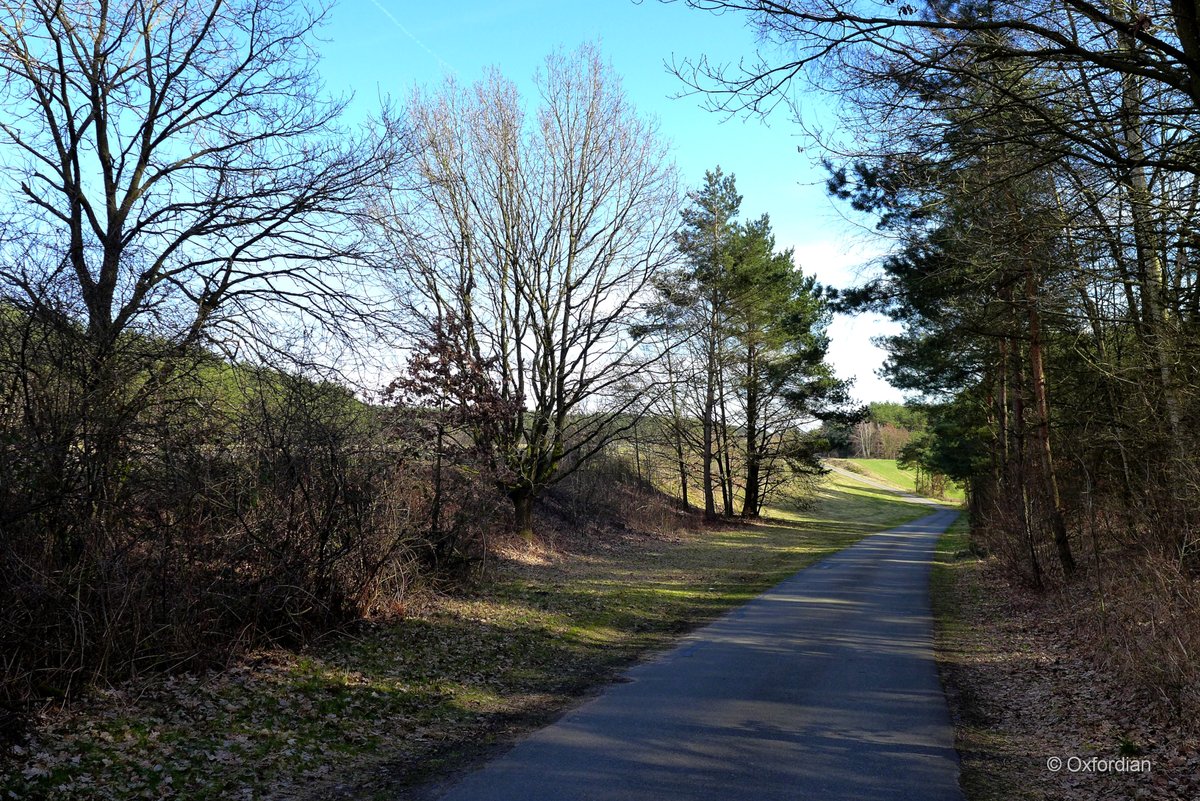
(887, 470)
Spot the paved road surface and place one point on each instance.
(822, 688)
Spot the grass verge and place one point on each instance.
(950, 589)
(380, 711)
(1029, 692)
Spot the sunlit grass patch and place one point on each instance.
(889, 471)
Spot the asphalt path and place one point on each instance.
(822, 688)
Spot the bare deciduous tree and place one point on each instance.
(177, 177)
(534, 237)
(178, 160)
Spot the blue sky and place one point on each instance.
(383, 47)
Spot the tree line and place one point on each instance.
(886, 430)
(197, 253)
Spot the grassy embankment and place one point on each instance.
(393, 704)
(888, 471)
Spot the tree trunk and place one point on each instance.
(706, 458)
(725, 461)
(1018, 418)
(750, 504)
(682, 465)
(710, 405)
(1002, 401)
(722, 469)
(637, 453)
(1058, 521)
(435, 505)
(750, 507)
(1148, 244)
(677, 434)
(522, 499)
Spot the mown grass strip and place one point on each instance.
(958, 647)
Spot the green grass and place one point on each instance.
(395, 703)
(953, 555)
(887, 470)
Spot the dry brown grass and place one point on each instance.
(1062, 674)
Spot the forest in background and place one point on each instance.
(894, 438)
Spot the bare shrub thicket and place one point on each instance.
(606, 495)
(253, 507)
(174, 178)
(1143, 619)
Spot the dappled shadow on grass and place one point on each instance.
(493, 679)
(286, 720)
(400, 695)
(540, 636)
(852, 701)
(536, 638)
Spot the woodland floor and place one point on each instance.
(1025, 687)
(384, 709)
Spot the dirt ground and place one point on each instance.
(1037, 717)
